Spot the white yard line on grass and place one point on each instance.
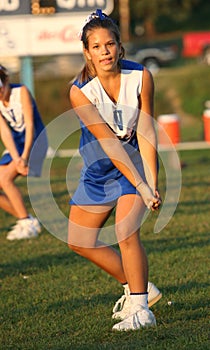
(182, 146)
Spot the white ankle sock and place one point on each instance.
(126, 289)
(138, 301)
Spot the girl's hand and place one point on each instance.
(21, 166)
(157, 205)
(151, 201)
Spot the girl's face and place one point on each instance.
(103, 50)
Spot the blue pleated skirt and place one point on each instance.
(101, 182)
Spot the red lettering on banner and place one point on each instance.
(45, 35)
(67, 34)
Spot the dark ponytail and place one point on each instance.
(3, 74)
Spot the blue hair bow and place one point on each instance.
(98, 14)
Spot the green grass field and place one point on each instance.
(53, 299)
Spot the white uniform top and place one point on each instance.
(13, 113)
(120, 116)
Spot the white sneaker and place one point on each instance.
(140, 319)
(36, 223)
(24, 229)
(154, 295)
(122, 306)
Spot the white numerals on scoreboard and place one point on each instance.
(70, 4)
(9, 5)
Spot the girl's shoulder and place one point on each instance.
(131, 65)
(15, 86)
(15, 93)
(16, 89)
(80, 84)
(19, 91)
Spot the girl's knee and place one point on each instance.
(124, 233)
(84, 252)
(6, 178)
(128, 240)
(74, 247)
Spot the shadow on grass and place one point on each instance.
(38, 264)
(194, 207)
(158, 244)
(184, 307)
(170, 244)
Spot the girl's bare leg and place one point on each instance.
(11, 200)
(84, 227)
(129, 214)
(6, 205)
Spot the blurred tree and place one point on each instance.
(148, 11)
(124, 15)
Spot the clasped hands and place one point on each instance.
(152, 201)
(21, 166)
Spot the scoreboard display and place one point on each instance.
(50, 7)
(44, 27)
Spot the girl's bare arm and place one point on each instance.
(146, 131)
(29, 122)
(7, 139)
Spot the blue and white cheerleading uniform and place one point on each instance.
(13, 115)
(101, 182)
